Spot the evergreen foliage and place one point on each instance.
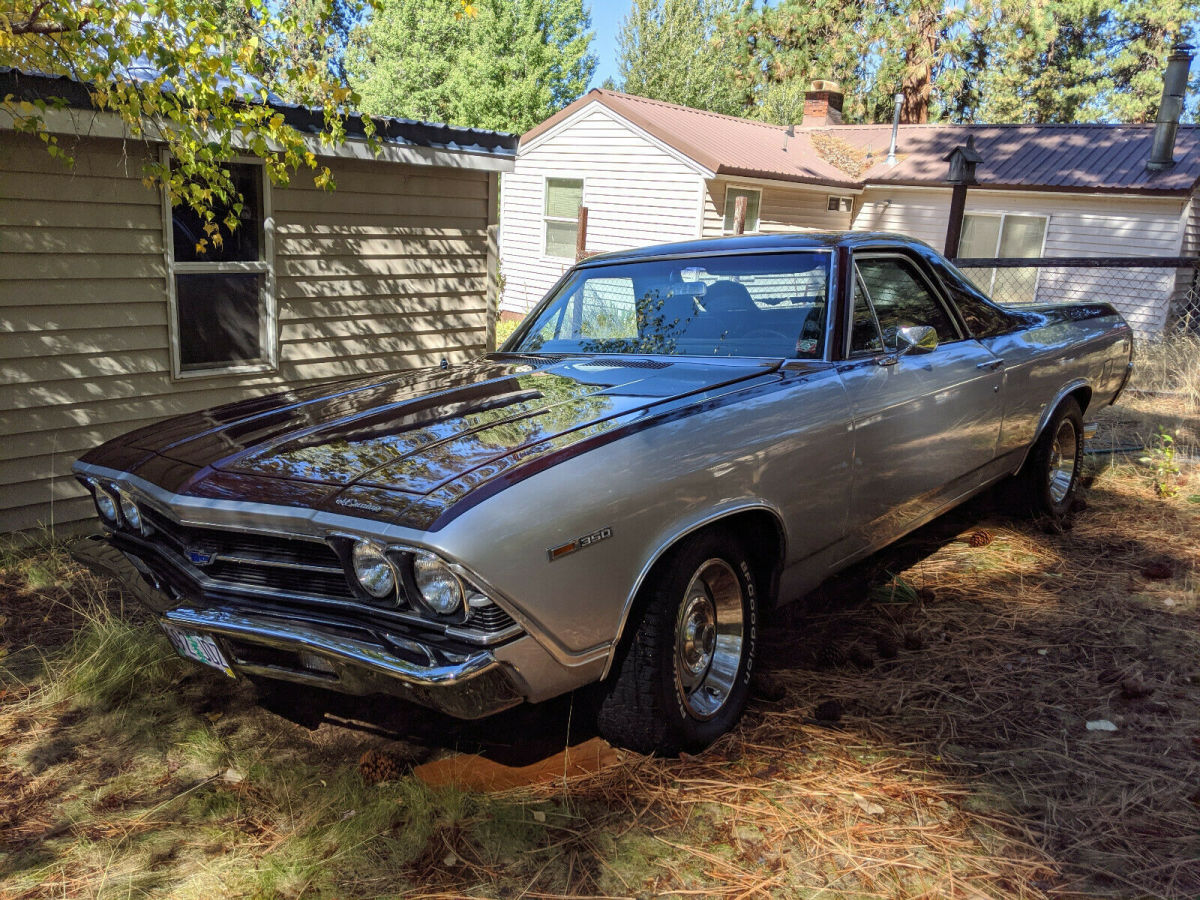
(684, 51)
(510, 66)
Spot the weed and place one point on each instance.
(1161, 459)
(504, 330)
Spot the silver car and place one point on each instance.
(675, 440)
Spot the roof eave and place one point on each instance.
(1140, 189)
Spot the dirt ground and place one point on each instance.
(988, 708)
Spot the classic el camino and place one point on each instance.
(676, 439)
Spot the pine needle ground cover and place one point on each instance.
(987, 709)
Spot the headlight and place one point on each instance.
(439, 587)
(133, 515)
(372, 569)
(106, 504)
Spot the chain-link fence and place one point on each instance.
(1158, 296)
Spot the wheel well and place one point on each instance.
(1083, 396)
(761, 536)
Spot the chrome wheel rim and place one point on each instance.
(709, 635)
(1063, 460)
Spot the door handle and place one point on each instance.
(991, 365)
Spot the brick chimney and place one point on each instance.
(822, 104)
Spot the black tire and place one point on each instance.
(1047, 483)
(662, 696)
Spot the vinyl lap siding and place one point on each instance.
(781, 209)
(636, 194)
(1077, 226)
(385, 273)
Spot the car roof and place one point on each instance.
(758, 243)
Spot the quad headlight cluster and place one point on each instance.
(117, 508)
(425, 578)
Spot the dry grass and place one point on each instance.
(919, 730)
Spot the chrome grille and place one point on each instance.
(251, 560)
(490, 618)
(293, 567)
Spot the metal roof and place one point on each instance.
(309, 120)
(1074, 158)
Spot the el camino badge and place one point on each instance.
(579, 543)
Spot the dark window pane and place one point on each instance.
(220, 319)
(901, 299)
(864, 332)
(244, 243)
(982, 318)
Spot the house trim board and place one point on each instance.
(110, 125)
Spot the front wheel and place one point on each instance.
(1047, 483)
(682, 678)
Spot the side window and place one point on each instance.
(564, 196)
(901, 298)
(982, 318)
(864, 331)
(222, 318)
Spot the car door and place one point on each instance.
(925, 424)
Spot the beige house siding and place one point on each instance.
(1078, 225)
(385, 273)
(781, 209)
(635, 191)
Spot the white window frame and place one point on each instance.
(264, 266)
(840, 203)
(725, 213)
(560, 219)
(1000, 238)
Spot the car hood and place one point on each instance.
(418, 433)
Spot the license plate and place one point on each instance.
(199, 647)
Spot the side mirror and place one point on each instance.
(911, 339)
(916, 339)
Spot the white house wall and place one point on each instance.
(781, 209)
(1079, 225)
(636, 194)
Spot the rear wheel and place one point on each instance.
(1049, 480)
(682, 677)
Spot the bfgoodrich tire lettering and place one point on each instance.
(682, 677)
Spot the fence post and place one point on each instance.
(581, 235)
(740, 205)
(958, 204)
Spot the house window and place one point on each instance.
(564, 196)
(841, 204)
(1004, 236)
(222, 308)
(753, 202)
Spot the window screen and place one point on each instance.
(564, 196)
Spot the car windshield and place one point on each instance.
(770, 305)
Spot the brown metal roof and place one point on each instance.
(1073, 158)
(724, 145)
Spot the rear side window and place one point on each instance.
(900, 298)
(983, 318)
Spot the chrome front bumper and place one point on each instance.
(466, 685)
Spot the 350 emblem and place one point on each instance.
(579, 543)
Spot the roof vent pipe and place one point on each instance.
(891, 157)
(1162, 152)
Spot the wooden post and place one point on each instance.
(581, 235)
(958, 203)
(739, 214)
